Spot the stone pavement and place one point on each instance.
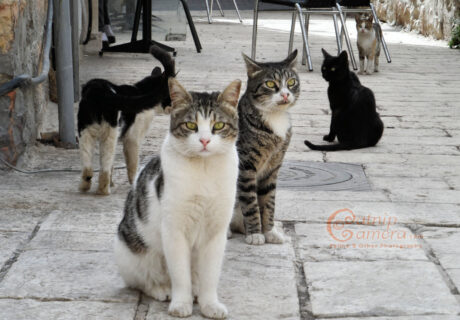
(401, 261)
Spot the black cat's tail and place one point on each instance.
(166, 60)
(326, 147)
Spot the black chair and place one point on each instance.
(306, 7)
(143, 46)
(361, 6)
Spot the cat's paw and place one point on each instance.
(328, 138)
(103, 191)
(255, 239)
(274, 236)
(161, 293)
(180, 309)
(376, 70)
(361, 72)
(229, 233)
(369, 72)
(215, 310)
(84, 185)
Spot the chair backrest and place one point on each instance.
(354, 3)
(319, 3)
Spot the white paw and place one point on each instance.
(274, 236)
(369, 72)
(214, 310)
(229, 233)
(180, 309)
(361, 72)
(255, 239)
(161, 293)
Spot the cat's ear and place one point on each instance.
(343, 56)
(357, 17)
(291, 59)
(370, 17)
(231, 93)
(325, 54)
(179, 96)
(251, 66)
(156, 72)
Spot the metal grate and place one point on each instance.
(322, 176)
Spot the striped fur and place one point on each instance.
(264, 136)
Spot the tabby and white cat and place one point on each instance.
(98, 115)
(369, 35)
(171, 241)
(264, 136)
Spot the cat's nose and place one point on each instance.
(205, 142)
(285, 96)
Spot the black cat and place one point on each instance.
(355, 120)
(98, 116)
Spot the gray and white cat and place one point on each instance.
(264, 136)
(369, 35)
(171, 241)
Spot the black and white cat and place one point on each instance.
(98, 117)
(355, 121)
(171, 241)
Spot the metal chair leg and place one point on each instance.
(307, 25)
(254, 29)
(192, 26)
(291, 36)
(304, 36)
(207, 11)
(237, 11)
(210, 8)
(337, 33)
(384, 44)
(347, 38)
(220, 8)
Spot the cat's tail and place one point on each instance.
(326, 147)
(166, 60)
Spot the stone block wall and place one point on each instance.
(429, 17)
(21, 43)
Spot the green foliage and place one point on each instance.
(455, 40)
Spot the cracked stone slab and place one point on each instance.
(381, 288)
(9, 242)
(72, 240)
(257, 283)
(62, 274)
(27, 309)
(310, 210)
(316, 243)
(418, 317)
(88, 221)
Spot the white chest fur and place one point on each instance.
(279, 122)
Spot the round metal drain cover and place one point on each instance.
(330, 176)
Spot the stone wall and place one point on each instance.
(429, 17)
(21, 40)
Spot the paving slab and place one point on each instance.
(26, 309)
(317, 242)
(9, 242)
(257, 282)
(62, 274)
(389, 288)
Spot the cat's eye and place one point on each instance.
(270, 84)
(332, 69)
(218, 126)
(291, 82)
(191, 125)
